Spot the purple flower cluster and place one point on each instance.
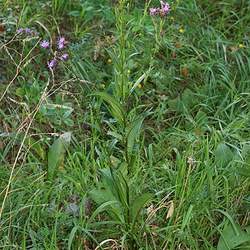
(58, 56)
(58, 53)
(52, 63)
(26, 31)
(163, 11)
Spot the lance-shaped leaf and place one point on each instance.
(138, 204)
(56, 154)
(133, 134)
(113, 105)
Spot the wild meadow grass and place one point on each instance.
(124, 124)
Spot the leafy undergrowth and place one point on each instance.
(136, 136)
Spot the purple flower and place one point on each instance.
(20, 30)
(165, 8)
(64, 57)
(61, 43)
(154, 11)
(163, 11)
(27, 31)
(52, 63)
(44, 44)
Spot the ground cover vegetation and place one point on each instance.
(124, 124)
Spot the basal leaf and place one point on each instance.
(138, 204)
(229, 239)
(56, 154)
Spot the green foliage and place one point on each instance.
(114, 106)
(56, 154)
(233, 237)
(115, 196)
(223, 155)
(158, 111)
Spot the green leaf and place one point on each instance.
(56, 154)
(140, 79)
(223, 155)
(187, 218)
(138, 204)
(133, 134)
(114, 106)
(112, 188)
(84, 231)
(101, 195)
(111, 207)
(188, 98)
(230, 239)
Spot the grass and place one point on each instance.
(140, 140)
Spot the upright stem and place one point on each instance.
(122, 93)
(122, 84)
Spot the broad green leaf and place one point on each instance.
(133, 134)
(56, 154)
(107, 202)
(118, 186)
(229, 239)
(114, 106)
(138, 204)
(229, 217)
(223, 155)
(201, 119)
(183, 102)
(187, 217)
(113, 187)
(109, 182)
(103, 207)
(188, 98)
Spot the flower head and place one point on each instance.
(165, 7)
(61, 43)
(163, 11)
(64, 57)
(20, 30)
(52, 63)
(44, 44)
(154, 11)
(27, 31)
(181, 30)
